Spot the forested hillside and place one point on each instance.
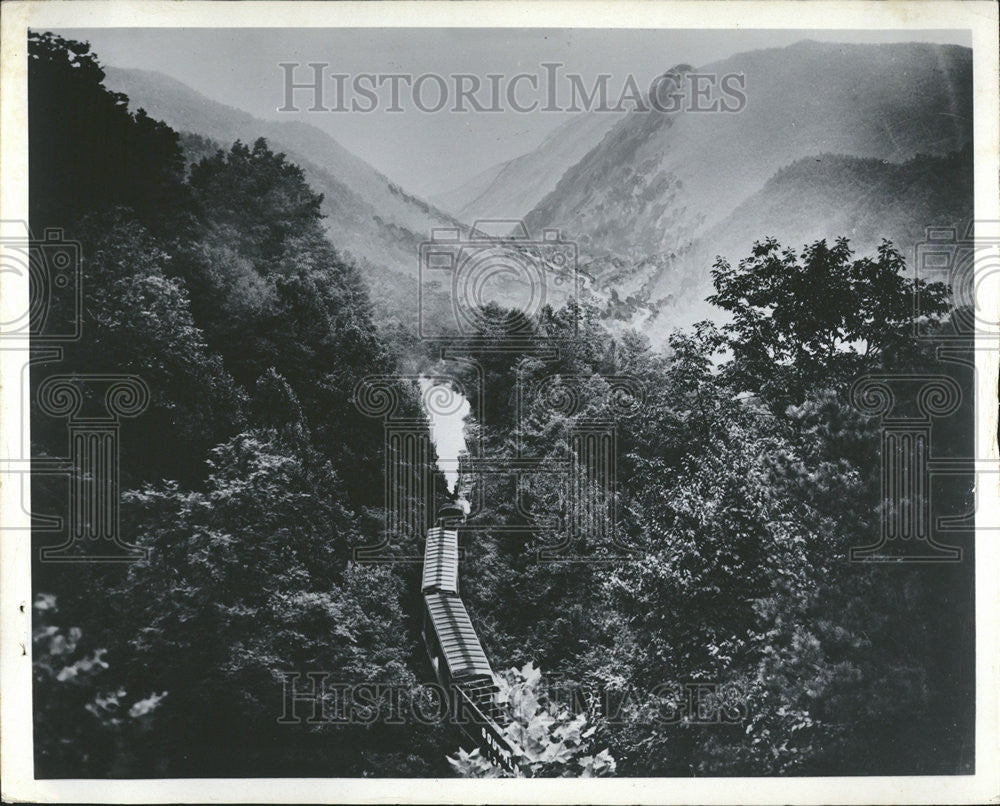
(822, 197)
(746, 477)
(251, 476)
(373, 221)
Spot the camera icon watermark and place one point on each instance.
(51, 265)
(44, 279)
(495, 264)
(965, 262)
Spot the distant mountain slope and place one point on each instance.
(658, 181)
(511, 189)
(393, 291)
(864, 200)
(367, 215)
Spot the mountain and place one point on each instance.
(657, 180)
(510, 189)
(367, 215)
(864, 141)
(834, 139)
(825, 197)
(864, 200)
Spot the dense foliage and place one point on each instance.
(719, 628)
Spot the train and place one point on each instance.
(454, 649)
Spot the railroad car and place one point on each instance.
(454, 649)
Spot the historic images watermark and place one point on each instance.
(316, 698)
(319, 87)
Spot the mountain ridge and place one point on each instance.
(657, 181)
(877, 145)
(368, 215)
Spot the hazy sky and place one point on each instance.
(427, 153)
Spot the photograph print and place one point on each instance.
(563, 401)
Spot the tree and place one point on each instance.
(746, 517)
(87, 152)
(717, 537)
(137, 320)
(820, 318)
(82, 720)
(246, 582)
(271, 292)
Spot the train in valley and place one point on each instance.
(454, 648)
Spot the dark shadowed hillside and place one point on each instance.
(865, 200)
(367, 217)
